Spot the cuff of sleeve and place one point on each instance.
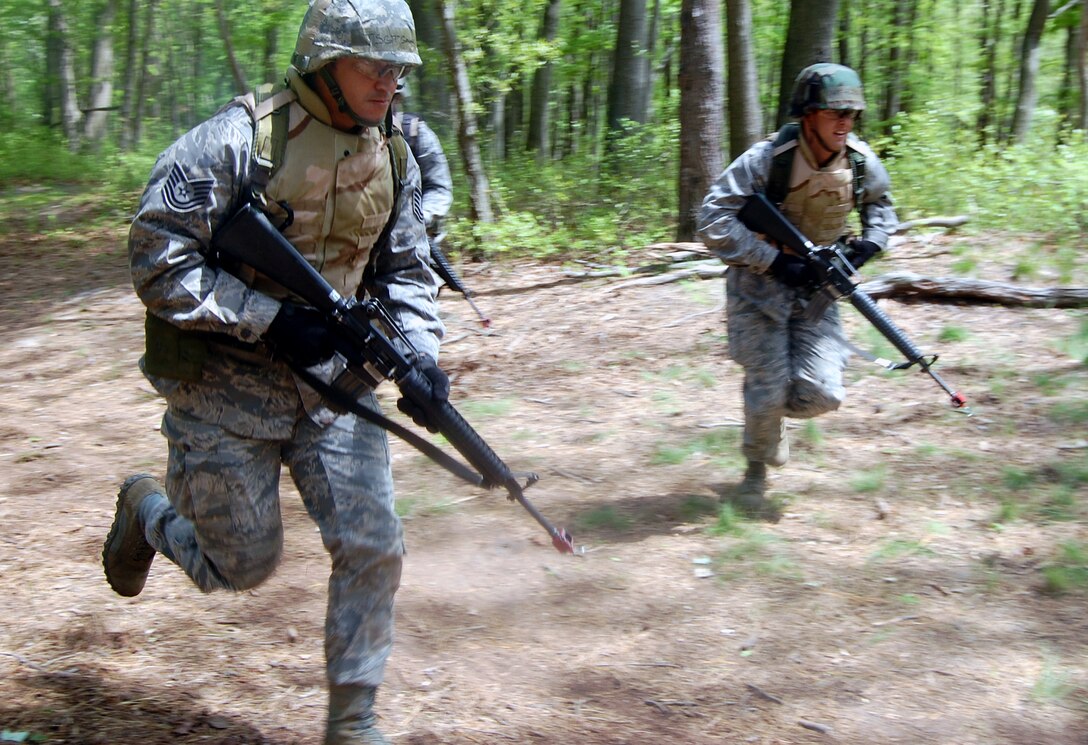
(260, 309)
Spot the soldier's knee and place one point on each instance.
(808, 399)
(250, 564)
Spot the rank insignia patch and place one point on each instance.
(417, 204)
(183, 194)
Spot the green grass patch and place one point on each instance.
(898, 548)
(869, 481)
(952, 334)
(605, 518)
(722, 445)
(1067, 572)
(477, 408)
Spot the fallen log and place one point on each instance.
(909, 287)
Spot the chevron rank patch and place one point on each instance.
(184, 194)
(417, 204)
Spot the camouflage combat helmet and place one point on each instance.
(826, 86)
(377, 29)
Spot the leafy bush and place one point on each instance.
(938, 168)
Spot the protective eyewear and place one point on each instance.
(378, 70)
(851, 114)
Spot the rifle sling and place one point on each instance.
(348, 403)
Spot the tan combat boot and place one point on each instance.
(351, 717)
(126, 555)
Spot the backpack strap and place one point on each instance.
(856, 156)
(269, 112)
(783, 148)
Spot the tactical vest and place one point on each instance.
(817, 201)
(296, 199)
(271, 109)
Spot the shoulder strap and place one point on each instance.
(783, 149)
(270, 118)
(857, 165)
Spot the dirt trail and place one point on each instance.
(840, 624)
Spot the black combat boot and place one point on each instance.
(351, 717)
(126, 555)
(749, 496)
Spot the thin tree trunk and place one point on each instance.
(809, 40)
(240, 85)
(479, 188)
(101, 93)
(988, 43)
(1029, 70)
(894, 86)
(701, 92)
(745, 120)
(540, 100)
(144, 75)
(70, 116)
(1081, 57)
(628, 78)
(128, 99)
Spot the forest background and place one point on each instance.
(578, 128)
(926, 585)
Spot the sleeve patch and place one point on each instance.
(417, 204)
(184, 194)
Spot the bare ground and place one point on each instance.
(889, 606)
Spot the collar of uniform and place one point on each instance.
(810, 157)
(307, 97)
(314, 106)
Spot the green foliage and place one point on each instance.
(1076, 346)
(1068, 571)
(952, 333)
(578, 207)
(722, 445)
(938, 168)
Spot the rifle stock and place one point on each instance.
(249, 238)
(760, 215)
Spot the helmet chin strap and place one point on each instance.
(338, 96)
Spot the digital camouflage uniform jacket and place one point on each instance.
(196, 184)
(722, 232)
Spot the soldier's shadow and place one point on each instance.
(82, 707)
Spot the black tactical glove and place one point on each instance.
(792, 270)
(860, 251)
(301, 334)
(427, 375)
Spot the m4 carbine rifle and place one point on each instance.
(249, 238)
(834, 269)
(444, 269)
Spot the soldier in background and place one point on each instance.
(437, 191)
(817, 172)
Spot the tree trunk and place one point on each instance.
(1029, 70)
(647, 61)
(628, 71)
(1081, 57)
(144, 74)
(479, 188)
(701, 89)
(128, 95)
(809, 39)
(64, 64)
(240, 85)
(894, 75)
(988, 42)
(272, 73)
(745, 120)
(540, 101)
(101, 93)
